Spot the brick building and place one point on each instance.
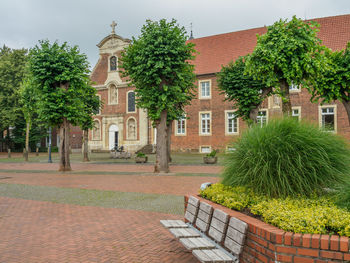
(210, 121)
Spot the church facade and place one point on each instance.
(210, 122)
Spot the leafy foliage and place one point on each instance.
(290, 52)
(60, 74)
(240, 88)
(158, 64)
(12, 72)
(314, 215)
(287, 157)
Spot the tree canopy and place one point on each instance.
(334, 84)
(289, 53)
(243, 90)
(158, 65)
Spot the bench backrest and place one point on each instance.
(218, 225)
(192, 209)
(205, 213)
(235, 236)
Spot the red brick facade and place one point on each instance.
(213, 52)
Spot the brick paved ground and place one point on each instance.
(36, 231)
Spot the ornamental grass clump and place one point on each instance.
(287, 157)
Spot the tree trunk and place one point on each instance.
(64, 146)
(254, 112)
(162, 164)
(346, 104)
(286, 105)
(27, 142)
(86, 145)
(169, 130)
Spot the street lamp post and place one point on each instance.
(50, 160)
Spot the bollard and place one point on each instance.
(37, 151)
(8, 153)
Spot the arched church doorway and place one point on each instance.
(113, 136)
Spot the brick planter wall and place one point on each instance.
(266, 243)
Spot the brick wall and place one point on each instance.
(266, 243)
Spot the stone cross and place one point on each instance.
(113, 25)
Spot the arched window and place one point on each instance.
(131, 101)
(113, 63)
(96, 131)
(131, 128)
(113, 94)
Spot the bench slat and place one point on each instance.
(232, 246)
(197, 243)
(193, 201)
(201, 256)
(216, 235)
(173, 224)
(238, 224)
(235, 235)
(184, 232)
(224, 256)
(190, 217)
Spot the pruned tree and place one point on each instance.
(334, 84)
(28, 100)
(60, 73)
(92, 105)
(289, 53)
(246, 93)
(158, 65)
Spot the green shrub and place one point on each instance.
(315, 215)
(287, 157)
(212, 153)
(140, 155)
(343, 195)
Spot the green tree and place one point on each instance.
(334, 84)
(92, 105)
(289, 53)
(158, 65)
(28, 99)
(60, 72)
(12, 72)
(243, 90)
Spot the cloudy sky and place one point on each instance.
(86, 22)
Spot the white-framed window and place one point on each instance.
(231, 123)
(230, 149)
(328, 117)
(205, 89)
(180, 126)
(294, 88)
(262, 117)
(112, 94)
(204, 123)
(205, 149)
(296, 113)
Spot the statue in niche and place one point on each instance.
(276, 100)
(96, 131)
(113, 63)
(132, 130)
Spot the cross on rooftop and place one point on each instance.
(113, 25)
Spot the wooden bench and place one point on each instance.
(211, 235)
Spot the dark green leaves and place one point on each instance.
(157, 63)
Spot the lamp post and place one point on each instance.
(50, 160)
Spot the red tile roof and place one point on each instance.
(215, 51)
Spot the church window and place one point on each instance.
(96, 131)
(131, 101)
(113, 95)
(113, 63)
(131, 128)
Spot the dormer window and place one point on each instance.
(113, 63)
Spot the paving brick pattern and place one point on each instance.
(34, 231)
(37, 231)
